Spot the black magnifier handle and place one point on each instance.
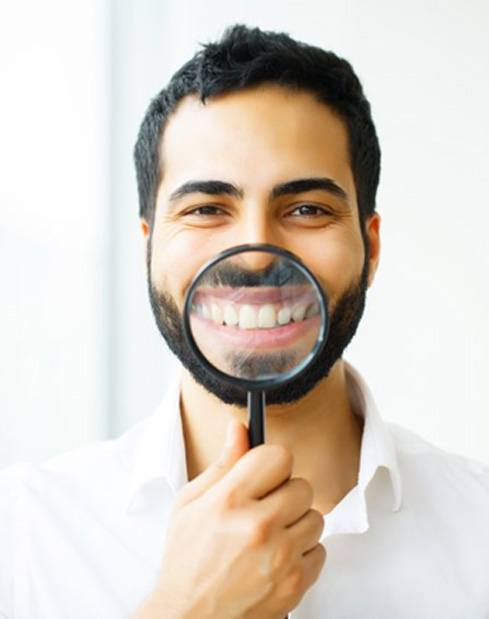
(256, 420)
(256, 417)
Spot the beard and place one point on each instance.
(344, 319)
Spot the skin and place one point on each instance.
(256, 139)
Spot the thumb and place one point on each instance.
(236, 445)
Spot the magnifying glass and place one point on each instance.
(255, 317)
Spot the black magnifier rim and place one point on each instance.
(270, 383)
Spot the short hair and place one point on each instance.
(246, 57)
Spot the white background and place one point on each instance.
(80, 357)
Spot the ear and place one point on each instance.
(144, 227)
(372, 231)
(145, 230)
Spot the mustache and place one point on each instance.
(273, 275)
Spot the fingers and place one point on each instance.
(312, 564)
(307, 531)
(258, 472)
(237, 444)
(289, 502)
(235, 447)
(299, 579)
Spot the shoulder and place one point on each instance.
(54, 504)
(11, 480)
(414, 446)
(84, 472)
(423, 464)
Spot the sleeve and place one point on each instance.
(10, 479)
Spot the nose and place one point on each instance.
(256, 260)
(257, 226)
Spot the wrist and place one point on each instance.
(164, 605)
(158, 608)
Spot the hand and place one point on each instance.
(242, 541)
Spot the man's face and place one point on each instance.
(254, 143)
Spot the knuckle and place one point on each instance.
(306, 489)
(281, 455)
(227, 502)
(258, 532)
(323, 553)
(317, 520)
(282, 557)
(294, 583)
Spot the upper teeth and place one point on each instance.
(231, 316)
(284, 315)
(216, 313)
(257, 316)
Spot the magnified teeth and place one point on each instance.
(231, 317)
(299, 313)
(312, 310)
(266, 317)
(216, 314)
(284, 315)
(247, 317)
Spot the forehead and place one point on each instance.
(255, 137)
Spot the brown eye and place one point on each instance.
(207, 209)
(308, 210)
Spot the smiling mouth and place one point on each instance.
(255, 308)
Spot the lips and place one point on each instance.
(256, 295)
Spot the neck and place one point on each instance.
(320, 429)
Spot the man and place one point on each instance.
(257, 139)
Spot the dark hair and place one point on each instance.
(247, 57)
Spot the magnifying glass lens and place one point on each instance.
(255, 315)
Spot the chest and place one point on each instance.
(71, 562)
(75, 563)
(402, 567)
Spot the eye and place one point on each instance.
(308, 210)
(206, 209)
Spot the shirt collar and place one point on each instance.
(159, 454)
(159, 447)
(377, 451)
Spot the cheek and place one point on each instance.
(176, 258)
(337, 263)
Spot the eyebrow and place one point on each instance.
(212, 188)
(301, 185)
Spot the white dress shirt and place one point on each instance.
(82, 535)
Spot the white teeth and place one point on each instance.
(284, 315)
(253, 317)
(299, 313)
(231, 317)
(312, 310)
(216, 314)
(247, 317)
(205, 311)
(266, 317)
